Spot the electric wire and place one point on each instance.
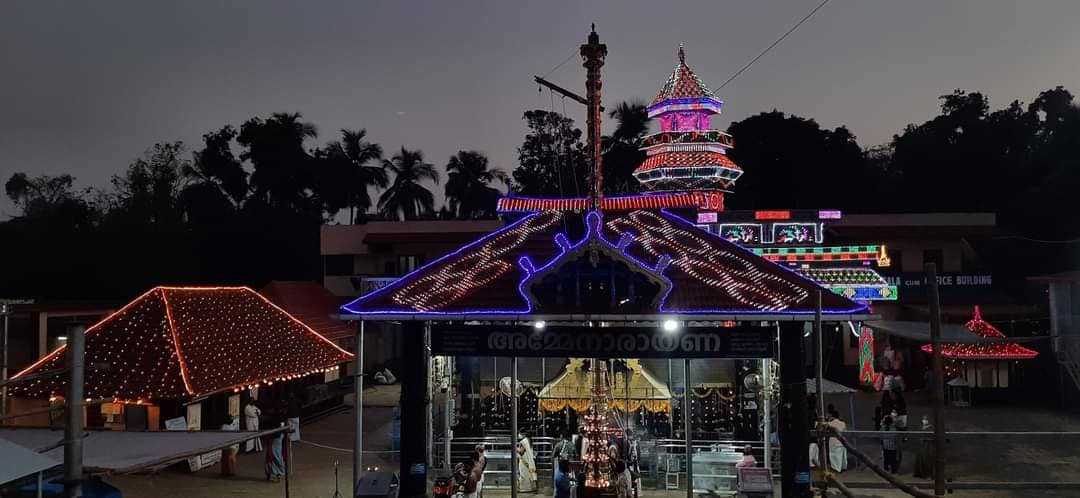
(556, 68)
(775, 43)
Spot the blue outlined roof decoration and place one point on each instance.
(700, 273)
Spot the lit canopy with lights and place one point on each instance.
(560, 262)
(183, 342)
(985, 350)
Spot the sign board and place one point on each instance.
(740, 342)
(755, 480)
(915, 280)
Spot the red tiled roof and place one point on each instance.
(686, 159)
(181, 342)
(984, 351)
(682, 84)
(310, 303)
(707, 273)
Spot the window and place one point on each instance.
(406, 264)
(936, 256)
(338, 264)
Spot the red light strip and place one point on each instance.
(772, 215)
(176, 343)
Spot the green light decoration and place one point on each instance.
(866, 356)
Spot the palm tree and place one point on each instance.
(621, 153)
(406, 196)
(362, 167)
(469, 193)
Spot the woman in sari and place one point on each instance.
(526, 465)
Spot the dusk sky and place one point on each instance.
(88, 86)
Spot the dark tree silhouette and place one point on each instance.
(622, 154)
(283, 175)
(791, 162)
(469, 193)
(351, 167)
(552, 160)
(407, 198)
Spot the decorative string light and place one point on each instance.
(710, 274)
(986, 351)
(181, 342)
(701, 199)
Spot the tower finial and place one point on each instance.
(682, 54)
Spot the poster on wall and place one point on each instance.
(234, 405)
(194, 417)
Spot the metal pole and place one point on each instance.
(288, 450)
(73, 428)
(5, 310)
(513, 428)
(358, 405)
(671, 414)
(686, 429)
(939, 381)
(446, 413)
(430, 419)
(543, 382)
(39, 491)
(766, 370)
(823, 464)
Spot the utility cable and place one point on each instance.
(556, 68)
(775, 43)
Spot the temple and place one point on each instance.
(601, 283)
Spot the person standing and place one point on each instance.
(563, 485)
(560, 451)
(527, 479)
(479, 466)
(837, 451)
(251, 423)
(624, 486)
(889, 446)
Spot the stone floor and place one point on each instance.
(328, 440)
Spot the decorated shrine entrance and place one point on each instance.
(614, 290)
(603, 391)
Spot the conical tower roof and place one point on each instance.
(683, 84)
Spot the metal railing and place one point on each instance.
(657, 457)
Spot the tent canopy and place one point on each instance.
(17, 462)
(828, 386)
(122, 452)
(573, 383)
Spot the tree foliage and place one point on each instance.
(469, 190)
(551, 160)
(407, 198)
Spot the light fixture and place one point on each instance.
(670, 325)
(539, 325)
(61, 338)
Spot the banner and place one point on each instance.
(742, 342)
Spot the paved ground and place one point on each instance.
(1027, 459)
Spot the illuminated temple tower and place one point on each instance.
(686, 154)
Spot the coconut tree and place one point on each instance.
(469, 193)
(407, 198)
(358, 165)
(621, 153)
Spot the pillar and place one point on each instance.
(413, 469)
(794, 425)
